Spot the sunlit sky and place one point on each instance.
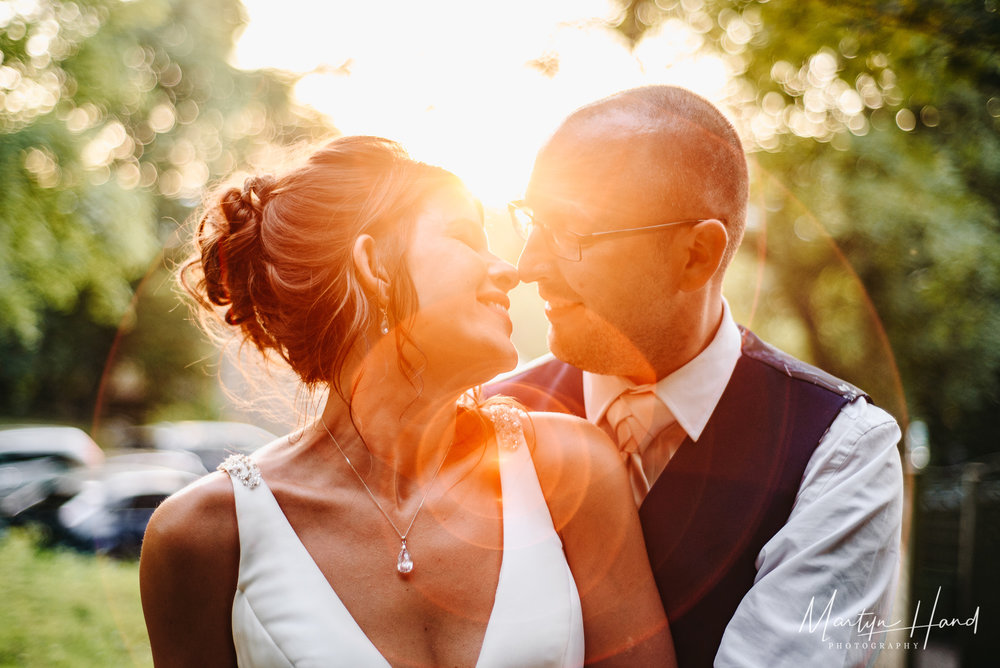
(453, 80)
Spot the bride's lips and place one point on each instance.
(499, 304)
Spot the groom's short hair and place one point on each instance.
(699, 147)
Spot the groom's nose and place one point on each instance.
(536, 260)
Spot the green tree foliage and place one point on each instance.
(113, 118)
(874, 131)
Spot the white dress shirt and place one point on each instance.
(840, 543)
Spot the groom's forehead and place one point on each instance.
(605, 151)
(598, 173)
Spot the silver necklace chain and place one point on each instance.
(404, 562)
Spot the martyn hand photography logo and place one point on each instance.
(867, 627)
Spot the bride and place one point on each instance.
(412, 524)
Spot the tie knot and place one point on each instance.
(635, 417)
(626, 431)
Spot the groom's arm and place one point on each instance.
(840, 544)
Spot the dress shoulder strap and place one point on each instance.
(243, 468)
(507, 424)
(536, 618)
(258, 514)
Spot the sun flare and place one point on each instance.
(475, 90)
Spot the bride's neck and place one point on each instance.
(407, 427)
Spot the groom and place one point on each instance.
(770, 492)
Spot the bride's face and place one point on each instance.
(461, 325)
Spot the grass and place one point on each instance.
(62, 608)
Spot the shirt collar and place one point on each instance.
(691, 392)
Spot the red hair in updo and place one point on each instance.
(275, 256)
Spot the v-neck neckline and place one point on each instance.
(337, 603)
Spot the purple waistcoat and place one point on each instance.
(719, 500)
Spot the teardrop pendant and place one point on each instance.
(404, 563)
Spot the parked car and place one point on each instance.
(33, 458)
(107, 511)
(177, 460)
(211, 441)
(102, 502)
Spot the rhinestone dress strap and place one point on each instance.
(243, 469)
(507, 424)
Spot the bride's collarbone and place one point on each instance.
(458, 529)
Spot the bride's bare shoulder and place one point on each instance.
(560, 438)
(199, 518)
(188, 574)
(576, 462)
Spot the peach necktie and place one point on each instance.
(635, 419)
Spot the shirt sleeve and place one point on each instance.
(826, 580)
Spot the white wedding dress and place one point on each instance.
(286, 614)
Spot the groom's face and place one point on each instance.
(610, 309)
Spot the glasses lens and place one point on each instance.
(563, 244)
(523, 223)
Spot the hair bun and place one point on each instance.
(245, 206)
(257, 191)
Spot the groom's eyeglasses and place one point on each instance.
(566, 244)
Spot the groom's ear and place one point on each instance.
(370, 272)
(705, 245)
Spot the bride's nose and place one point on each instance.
(503, 274)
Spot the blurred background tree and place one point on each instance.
(875, 137)
(875, 153)
(114, 116)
